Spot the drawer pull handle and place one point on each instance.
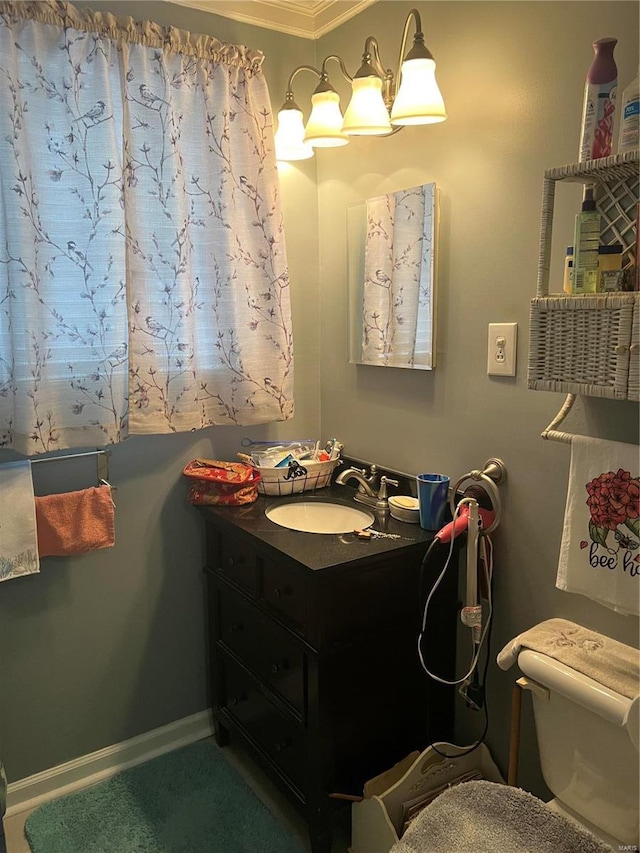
(279, 667)
(281, 745)
(236, 626)
(278, 593)
(233, 561)
(235, 700)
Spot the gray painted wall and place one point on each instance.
(103, 647)
(512, 76)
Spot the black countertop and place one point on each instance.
(320, 550)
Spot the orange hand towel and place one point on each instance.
(75, 522)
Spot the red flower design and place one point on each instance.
(613, 499)
(604, 132)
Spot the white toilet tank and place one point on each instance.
(588, 744)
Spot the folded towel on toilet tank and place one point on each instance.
(602, 659)
(486, 817)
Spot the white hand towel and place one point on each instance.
(18, 537)
(599, 657)
(600, 550)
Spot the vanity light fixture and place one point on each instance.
(381, 102)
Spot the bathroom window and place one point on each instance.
(143, 277)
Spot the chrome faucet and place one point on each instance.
(368, 492)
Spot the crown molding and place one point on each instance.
(308, 19)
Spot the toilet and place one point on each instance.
(588, 741)
(588, 745)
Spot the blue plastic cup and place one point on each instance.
(433, 494)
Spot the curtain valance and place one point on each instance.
(146, 33)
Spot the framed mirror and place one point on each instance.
(392, 278)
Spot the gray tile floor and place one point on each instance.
(273, 799)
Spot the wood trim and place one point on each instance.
(88, 770)
(293, 17)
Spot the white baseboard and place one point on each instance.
(89, 769)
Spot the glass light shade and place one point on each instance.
(418, 100)
(289, 138)
(366, 114)
(324, 128)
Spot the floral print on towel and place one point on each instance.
(25, 563)
(600, 535)
(614, 507)
(570, 638)
(18, 537)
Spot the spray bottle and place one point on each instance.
(599, 106)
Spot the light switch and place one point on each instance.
(501, 349)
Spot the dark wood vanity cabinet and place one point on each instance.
(315, 670)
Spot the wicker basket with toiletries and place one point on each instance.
(294, 467)
(587, 342)
(314, 475)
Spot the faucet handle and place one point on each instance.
(384, 482)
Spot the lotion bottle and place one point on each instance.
(585, 246)
(628, 133)
(599, 105)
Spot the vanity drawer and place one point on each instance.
(283, 589)
(236, 560)
(280, 738)
(268, 650)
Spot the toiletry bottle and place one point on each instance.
(598, 110)
(610, 257)
(628, 132)
(567, 282)
(585, 246)
(610, 275)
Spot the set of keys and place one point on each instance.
(375, 534)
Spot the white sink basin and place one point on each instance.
(319, 517)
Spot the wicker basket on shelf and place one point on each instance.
(582, 345)
(279, 481)
(588, 344)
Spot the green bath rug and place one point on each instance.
(188, 801)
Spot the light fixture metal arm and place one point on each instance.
(322, 74)
(415, 15)
(338, 59)
(372, 55)
(371, 58)
(296, 71)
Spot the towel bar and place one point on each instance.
(102, 461)
(551, 433)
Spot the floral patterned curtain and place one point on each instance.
(397, 319)
(143, 277)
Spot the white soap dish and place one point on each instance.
(404, 508)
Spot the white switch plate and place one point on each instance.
(501, 349)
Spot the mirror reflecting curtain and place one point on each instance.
(392, 254)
